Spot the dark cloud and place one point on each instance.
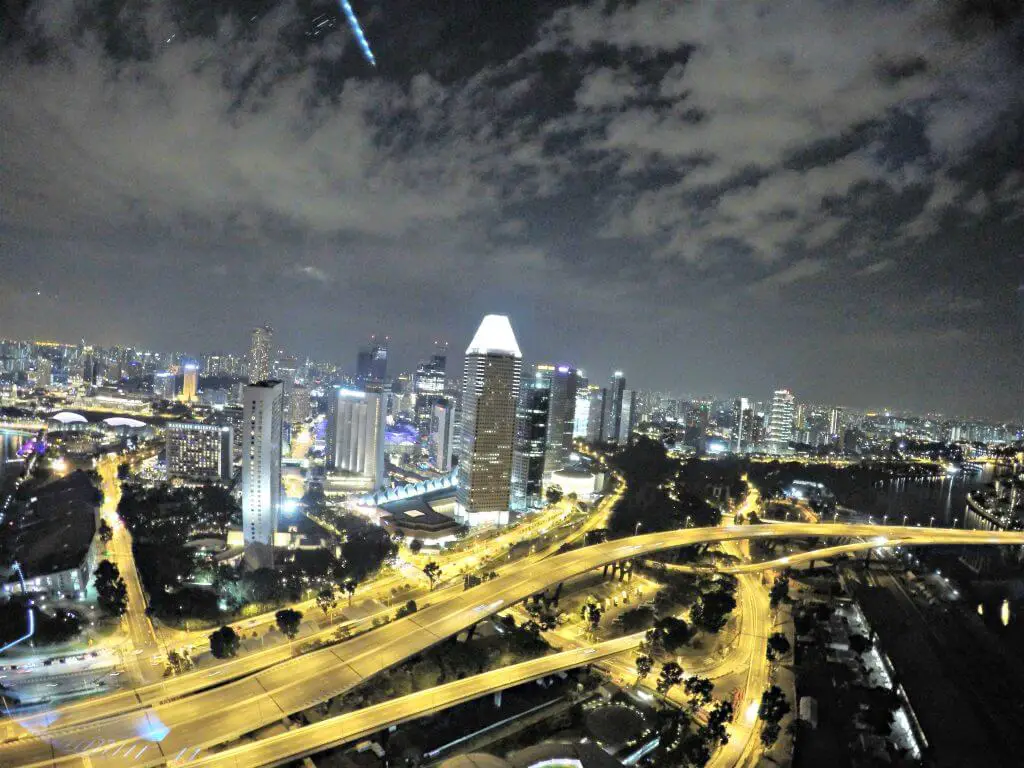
(716, 198)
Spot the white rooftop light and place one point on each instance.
(494, 337)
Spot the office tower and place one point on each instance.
(490, 392)
(355, 433)
(372, 361)
(834, 424)
(259, 353)
(300, 407)
(199, 452)
(581, 416)
(613, 408)
(531, 443)
(561, 383)
(261, 469)
(164, 385)
(627, 418)
(742, 426)
(232, 416)
(190, 383)
(442, 435)
(780, 422)
(429, 384)
(595, 419)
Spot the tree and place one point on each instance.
(288, 621)
(224, 643)
(778, 646)
(860, 644)
(644, 665)
(592, 614)
(415, 546)
(779, 591)
(470, 580)
(179, 662)
(123, 471)
(719, 715)
(406, 610)
(699, 690)
(112, 592)
(774, 705)
(671, 633)
(770, 734)
(105, 531)
(433, 572)
(326, 601)
(712, 611)
(348, 586)
(671, 674)
(553, 494)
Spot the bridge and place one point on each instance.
(158, 733)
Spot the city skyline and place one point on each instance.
(836, 210)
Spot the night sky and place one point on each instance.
(715, 197)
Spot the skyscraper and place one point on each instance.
(742, 425)
(561, 384)
(595, 418)
(442, 435)
(355, 433)
(164, 385)
(780, 422)
(532, 425)
(372, 361)
(490, 392)
(834, 424)
(429, 384)
(627, 416)
(190, 383)
(259, 353)
(261, 469)
(613, 408)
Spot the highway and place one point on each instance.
(225, 713)
(335, 731)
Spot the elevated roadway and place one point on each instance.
(158, 733)
(336, 731)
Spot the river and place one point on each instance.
(10, 464)
(943, 498)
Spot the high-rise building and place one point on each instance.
(190, 383)
(355, 433)
(442, 435)
(613, 408)
(532, 425)
(834, 424)
(164, 385)
(262, 405)
(627, 416)
(742, 426)
(595, 419)
(259, 353)
(300, 409)
(429, 384)
(581, 416)
(372, 361)
(490, 392)
(199, 452)
(561, 384)
(780, 422)
(44, 372)
(800, 417)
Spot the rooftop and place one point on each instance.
(494, 337)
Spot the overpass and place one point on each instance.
(336, 731)
(158, 733)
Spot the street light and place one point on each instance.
(931, 522)
(905, 519)
(955, 521)
(885, 519)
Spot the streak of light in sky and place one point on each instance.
(357, 30)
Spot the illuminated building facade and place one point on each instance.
(355, 433)
(190, 383)
(780, 421)
(262, 416)
(490, 392)
(199, 452)
(258, 361)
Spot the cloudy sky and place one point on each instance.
(715, 197)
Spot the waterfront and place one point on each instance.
(943, 498)
(10, 464)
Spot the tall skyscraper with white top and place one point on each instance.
(262, 413)
(490, 391)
